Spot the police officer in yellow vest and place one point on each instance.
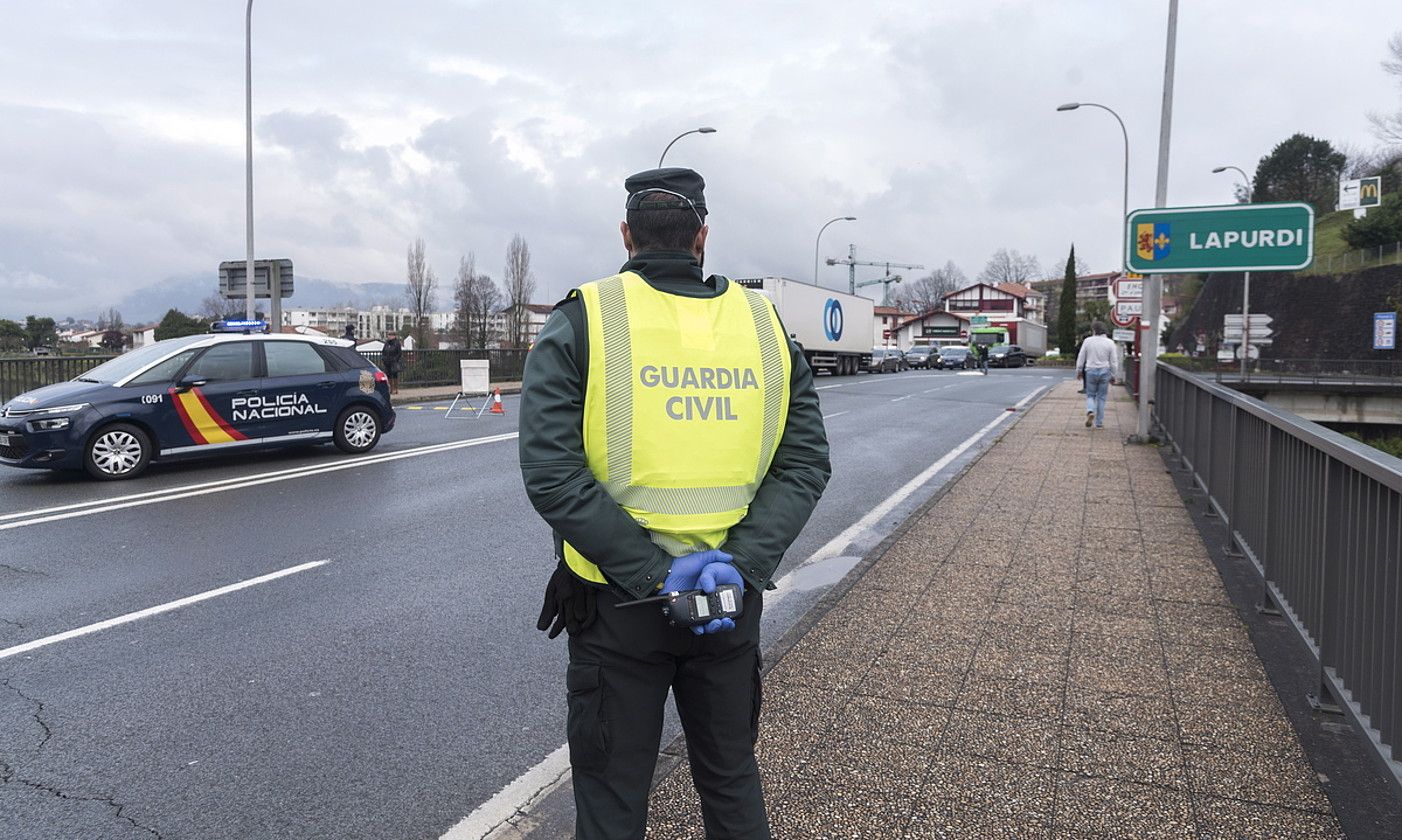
(671, 437)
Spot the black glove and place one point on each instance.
(570, 602)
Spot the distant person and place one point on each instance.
(392, 360)
(1098, 364)
(349, 334)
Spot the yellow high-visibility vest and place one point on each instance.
(685, 403)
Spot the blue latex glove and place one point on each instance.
(711, 576)
(687, 568)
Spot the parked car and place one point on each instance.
(953, 357)
(883, 360)
(902, 363)
(919, 356)
(1006, 355)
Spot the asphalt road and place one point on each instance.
(388, 691)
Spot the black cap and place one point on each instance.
(673, 179)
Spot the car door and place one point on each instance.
(216, 398)
(299, 390)
(150, 397)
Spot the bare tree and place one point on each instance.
(520, 288)
(420, 287)
(477, 300)
(1010, 267)
(1388, 127)
(111, 319)
(216, 307)
(928, 292)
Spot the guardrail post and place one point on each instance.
(1330, 534)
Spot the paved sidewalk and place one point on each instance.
(1047, 651)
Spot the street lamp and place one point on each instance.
(1071, 106)
(1245, 286)
(820, 239)
(705, 129)
(1245, 180)
(248, 170)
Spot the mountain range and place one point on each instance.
(186, 293)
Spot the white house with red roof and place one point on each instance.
(1017, 307)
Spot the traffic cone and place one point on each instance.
(496, 402)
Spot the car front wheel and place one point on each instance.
(116, 452)
(357, 430)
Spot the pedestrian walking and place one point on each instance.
(673, 442)
(1098, 365)
(391, 360)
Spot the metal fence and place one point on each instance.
(1320, 516)
(1358, 259)
(429, 368)
(30, 372)
(421, 368)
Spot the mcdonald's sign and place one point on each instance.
(1361, 193)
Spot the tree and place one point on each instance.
(175, 324)
(1010, 267)
(1066, 309)
(114, 339)
(12, 336)
(928, 292)
(1382, 225)
(1300, 168)
(216, 307)
(110, 320)
(1095, 310)
(420, 288)
(477, 300)
(520, 288)
(39, 332)
(1388, 127)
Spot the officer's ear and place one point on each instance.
(698, 245)
(627, 237)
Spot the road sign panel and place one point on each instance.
(1239, 237)
(978, 321)
(232, 274)
(1234, 333)
(1123, 335)
(1233, 319)
(1360, 193)
(1129, 289)
(1384, 330)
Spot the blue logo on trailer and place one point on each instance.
(832, 319)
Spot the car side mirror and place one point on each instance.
(190, 382)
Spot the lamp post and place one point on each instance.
(820, 239)
(1245, 286)
(705, 129)
(249, 309)
(1124, 205)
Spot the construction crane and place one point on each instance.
(852, 262)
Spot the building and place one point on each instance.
(375, 322)
(887, 319)
(533, 317)
(1088, 287)
(1015, 306)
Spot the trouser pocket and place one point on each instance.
(587, 732)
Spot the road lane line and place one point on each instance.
(364, 459)
(150, 611)
(906, 397)
(836, 414)
(538, 781)
(156, 497)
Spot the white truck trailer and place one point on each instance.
(834, 328)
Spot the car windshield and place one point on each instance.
(954, 351)
(877, 354)
(128, 363)
(918, 351)
(998, 348)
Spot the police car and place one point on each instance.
(199, 395)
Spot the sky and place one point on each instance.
(464, 123)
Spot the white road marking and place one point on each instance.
(150, 611)
(835, 414)
(906, 397)
(538, 781)
(37, 517)
(825, 387)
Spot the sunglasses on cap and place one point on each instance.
(666, 206)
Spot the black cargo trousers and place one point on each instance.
(619, 672)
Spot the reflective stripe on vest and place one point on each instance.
(685, 402)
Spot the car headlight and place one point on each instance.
(52, 424)
(61, 409)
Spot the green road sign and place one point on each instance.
(1234, 237)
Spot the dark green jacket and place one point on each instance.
(577, 507)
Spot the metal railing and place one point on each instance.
(429, 368)
(29, 372)
(1320, 516)
(1318, 371)
(1358, 259)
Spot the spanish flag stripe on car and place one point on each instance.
(201, 420)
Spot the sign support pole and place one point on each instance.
(248, 143)
(1245, 325)
(1153, 286)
